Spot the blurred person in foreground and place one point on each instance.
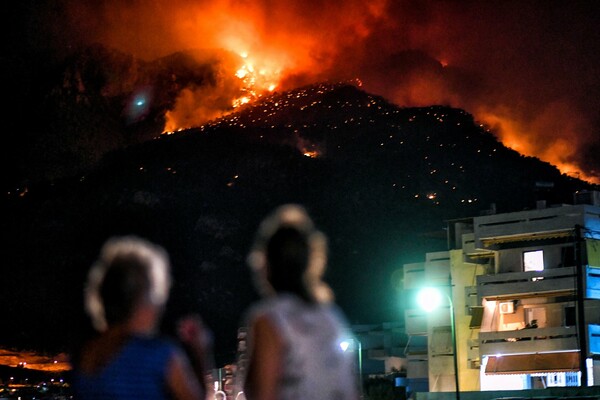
(295, 331)
(125, 296)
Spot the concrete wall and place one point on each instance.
(463, 275)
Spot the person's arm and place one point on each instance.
(197, 339)
(181, 379)
(265, 361)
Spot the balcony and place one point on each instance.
(594, 339)
(415, 322)
(553, 281)
(532, 224)
(592, 279)
(537, 340)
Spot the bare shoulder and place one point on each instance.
(264, 324)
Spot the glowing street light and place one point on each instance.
(344, 345)
(430, 298)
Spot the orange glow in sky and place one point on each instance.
(32, 360)
(422, 54)
(558, 152)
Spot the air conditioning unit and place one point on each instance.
(507, 307)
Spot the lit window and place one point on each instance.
(533, 260)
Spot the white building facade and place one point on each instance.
(524, 291)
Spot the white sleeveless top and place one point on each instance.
(315, 367)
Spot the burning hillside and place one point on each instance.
(535, 84)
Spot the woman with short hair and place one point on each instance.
(125, 296)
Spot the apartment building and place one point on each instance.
(522, 301)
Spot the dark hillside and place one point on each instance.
(379, 180)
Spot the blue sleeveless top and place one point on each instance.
(137, 371)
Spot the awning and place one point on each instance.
(488, 241)
(533, 363)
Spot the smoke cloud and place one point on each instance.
(527, 69)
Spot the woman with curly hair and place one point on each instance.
(126, 292)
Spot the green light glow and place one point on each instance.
(429, 298)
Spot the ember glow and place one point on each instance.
(311, 154)
(528, 70)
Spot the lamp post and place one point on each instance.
(345, 345)
(429, 299)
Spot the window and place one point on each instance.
(567, 256)
(570, 316)
(533, 260)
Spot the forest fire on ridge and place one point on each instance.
(439, 53)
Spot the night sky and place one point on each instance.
(527, 69)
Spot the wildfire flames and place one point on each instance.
(237, 84)
(254, 82)
(412, 54)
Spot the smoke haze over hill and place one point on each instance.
(528, 70)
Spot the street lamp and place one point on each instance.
(344, 345)
(430, 298)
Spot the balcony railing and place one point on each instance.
(536, 340)
(515, 284)
(592, 279)
(415, 322)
